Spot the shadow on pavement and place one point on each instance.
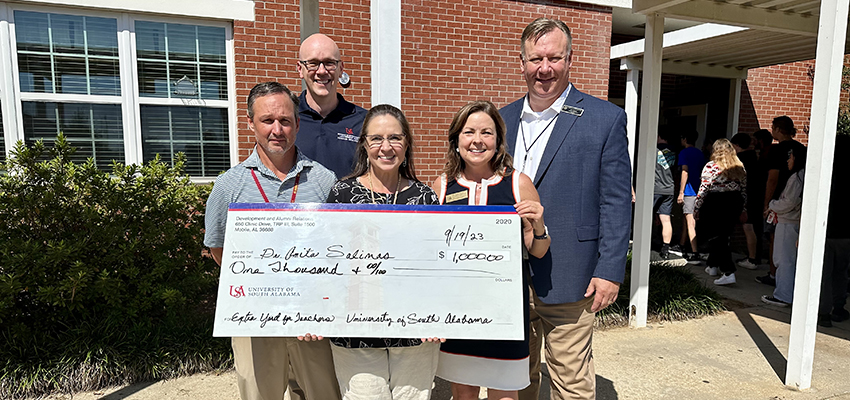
(773, 356)
(605, 389)
(127, 391)
(746, 294)
(840, 330)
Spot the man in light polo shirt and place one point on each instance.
(330, 125)
(275, 172)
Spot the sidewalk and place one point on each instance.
(740, 354)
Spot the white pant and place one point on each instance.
(785, 259)
(395, 373)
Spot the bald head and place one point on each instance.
(320, 67)
(318, 43)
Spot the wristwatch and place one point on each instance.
(545, 234)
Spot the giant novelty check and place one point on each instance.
(371, 271)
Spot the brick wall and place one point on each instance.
(264, 50)
(453, 52)
(781, 90)
(776, 90)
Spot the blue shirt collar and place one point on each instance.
(343, 106)
(302, 162)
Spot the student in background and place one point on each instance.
(691, 162)
(836, 255)
(788, 208)
(720, 204)
(755, 193)
(662, 201)
(783, 131)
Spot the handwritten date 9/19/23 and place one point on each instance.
(462, 236)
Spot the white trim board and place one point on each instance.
(241, 10)
(675, 38)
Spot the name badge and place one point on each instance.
(457, 196)
(573, 110)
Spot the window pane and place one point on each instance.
(213, 82)
(200, 133)
(71, 75)
(184, 49)
(31, 30)
(34, 73)
(68, 34)
(101, 36)
(67, 54)
(211, 44)
(104, 75)
(153, 79)
(181, 42)
(150, 40)
(94, 129)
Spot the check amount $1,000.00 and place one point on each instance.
(462, 256)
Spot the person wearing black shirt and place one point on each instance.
(755, 188)
(783, 131)
(836, 255)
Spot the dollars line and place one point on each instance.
(446, 269)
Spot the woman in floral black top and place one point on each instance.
(720, 204)
(384, 368)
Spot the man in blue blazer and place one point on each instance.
(574, 147)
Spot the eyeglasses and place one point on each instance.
(378, 140)
(313, 65)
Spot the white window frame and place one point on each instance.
(129, 100)
(8, 104)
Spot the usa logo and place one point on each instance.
(237, 292)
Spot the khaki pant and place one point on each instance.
(395, 373)
(262, 368)
(568, 332)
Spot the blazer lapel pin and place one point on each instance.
(572, 110)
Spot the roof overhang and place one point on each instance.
(755, 33)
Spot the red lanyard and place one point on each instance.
(263, 192)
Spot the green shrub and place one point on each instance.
(675, 294)
(102, 277)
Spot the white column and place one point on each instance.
(309, 23)
(734, 112)
(650, 101)
(234, 112)
(632, 77)
(309, 18)
(8, 103)
(825, 98)
(386, 52)
(130, 108)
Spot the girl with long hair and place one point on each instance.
(720, 204)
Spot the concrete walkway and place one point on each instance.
(740, 354)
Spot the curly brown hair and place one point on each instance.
(502, 162)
